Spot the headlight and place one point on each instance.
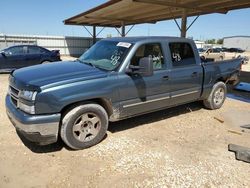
(26, 108)
(28, 95)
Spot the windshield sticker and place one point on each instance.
(124, 44)
(176, 57)
(115, 57)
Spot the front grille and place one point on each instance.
(14, 91)
(14, 94)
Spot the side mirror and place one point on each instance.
(145, 67)
(3, 53)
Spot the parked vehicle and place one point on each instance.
(201, 50)
(236, 50)
(232, 53)
(16, 57)
(214, 54)
(115, 79)
(224, 49)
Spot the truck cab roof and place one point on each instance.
(147, 39)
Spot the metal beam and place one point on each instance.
(118, 31)
(130, 29)
(88, 31)
(177, 24)
(100, 31)
(193, 22)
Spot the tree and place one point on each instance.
(109, 35)
(220, 41)
(210, 41)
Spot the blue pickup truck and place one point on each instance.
(115, 79)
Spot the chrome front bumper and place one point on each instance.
(42, 129)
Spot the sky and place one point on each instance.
(32, 17)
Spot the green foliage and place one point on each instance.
(109, 36)
(220, 41)
(210, 41)
(214, 41)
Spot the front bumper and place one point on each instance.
(42, 129)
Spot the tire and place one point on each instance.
(45, 62)
(216, 97)
(84, 126)
(203, 58)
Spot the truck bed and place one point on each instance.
(219, 70)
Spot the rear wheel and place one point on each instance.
(84, 126)
(216, 97)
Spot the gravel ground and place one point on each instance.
(184, 146)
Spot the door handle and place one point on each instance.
(194, 74)
(165, 77)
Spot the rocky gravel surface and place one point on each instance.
(184, 146)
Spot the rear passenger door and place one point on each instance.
(186, 75)
(33, 56)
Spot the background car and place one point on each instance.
(232, 53)
(237, 50)
(213, 53)
(16, 57)
(201, 50)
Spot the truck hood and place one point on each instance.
(53, 74)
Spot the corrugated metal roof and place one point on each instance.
(115, 13)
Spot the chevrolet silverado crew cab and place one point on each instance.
(117, 78)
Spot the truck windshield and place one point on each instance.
(106, 55)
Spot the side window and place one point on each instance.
(152, 50)
(216, 50)
(17, 50)
(34, 50)
(43, 51)
(182, 54)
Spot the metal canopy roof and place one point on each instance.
(117, 13)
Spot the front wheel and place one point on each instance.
(84, 126)
(216, 97)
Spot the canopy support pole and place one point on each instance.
(184, 23)
(123, 33)
(94, 34)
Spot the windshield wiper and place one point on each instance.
(85, 62)
(91, 64)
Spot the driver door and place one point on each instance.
(140, 94)
(13, 58)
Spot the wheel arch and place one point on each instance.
(105, 103)
(45, 60)
(220, 79)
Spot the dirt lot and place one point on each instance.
(180, 147)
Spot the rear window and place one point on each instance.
(182, 54)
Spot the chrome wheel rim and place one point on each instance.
(219, 96)
(86, 127)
